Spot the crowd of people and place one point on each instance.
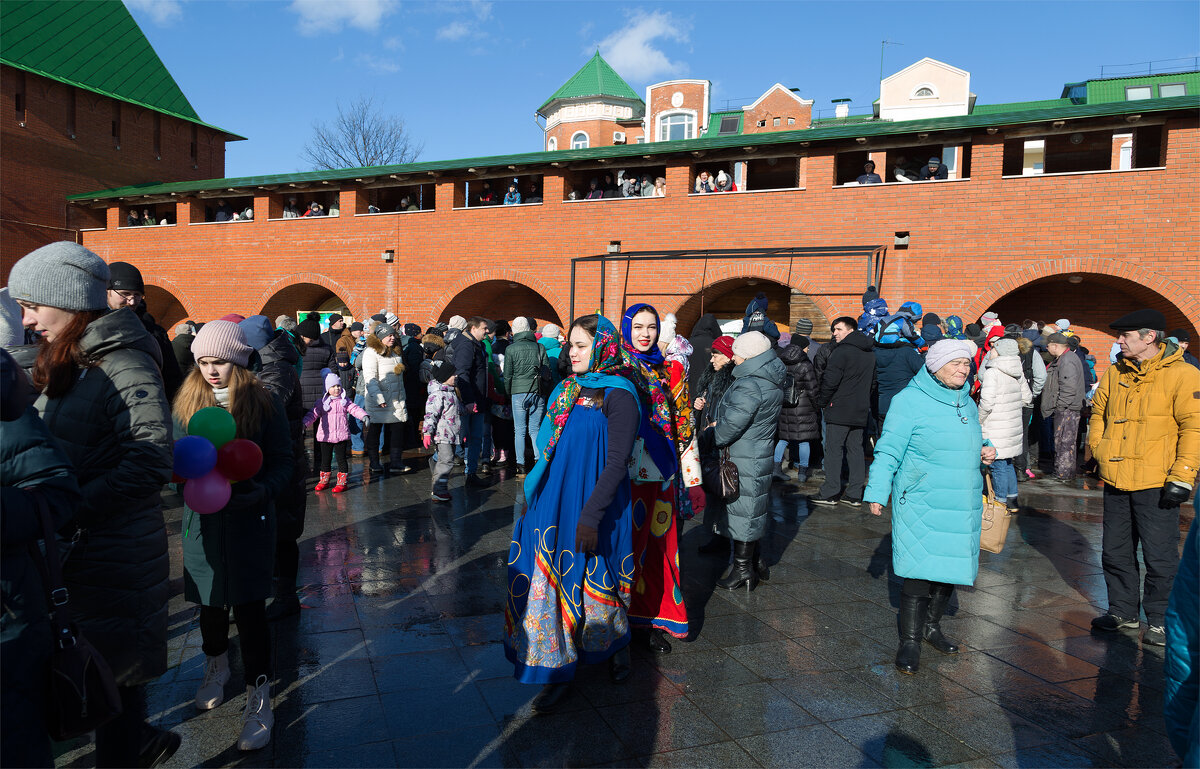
(622, 184)
(620, 432)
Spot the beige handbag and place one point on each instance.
(996, 519)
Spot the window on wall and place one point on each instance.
(579, 141)
(924, 93)
(775, 122)
(1167, 90)
(675, 127)
(729, 125)
(1137, 92)
(552, 144)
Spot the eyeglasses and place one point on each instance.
(130, 296)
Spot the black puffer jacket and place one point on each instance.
(278, 375)
(115, 427)
(318, 356)
(845, 394)
(896, 363)
(801, 422)
(704, 333)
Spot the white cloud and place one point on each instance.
(377, 63)
(455, 31)
(632, 52)
(163, 13)
(471, 27)
(317, 16)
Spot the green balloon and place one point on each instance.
(214, 423)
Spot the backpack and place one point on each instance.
(546, 378)
(757, 320)
(792, 391)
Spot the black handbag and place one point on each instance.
(719, 476)
(81, 692)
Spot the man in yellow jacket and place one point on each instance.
(1145, 434)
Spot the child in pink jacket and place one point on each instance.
(332, 411)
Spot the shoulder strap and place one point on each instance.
(50, 566)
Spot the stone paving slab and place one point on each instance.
(396, 658)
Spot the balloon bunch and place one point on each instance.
(209, 459)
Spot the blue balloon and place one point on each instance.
(194, 456)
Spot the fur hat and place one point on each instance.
(945, 351)
(751, 344)
(63, 275)
(520, 325)
(222, 339)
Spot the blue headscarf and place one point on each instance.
(653, 356)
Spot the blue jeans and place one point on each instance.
(472, 427)
(528, 410)
(1004, 479)
(801, 451)
(358, 434)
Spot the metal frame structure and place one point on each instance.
(875, 256)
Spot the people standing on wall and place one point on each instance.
(228, 556)
(658, 491)
(102, 398)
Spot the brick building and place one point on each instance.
(1082, 206)
(99, 112)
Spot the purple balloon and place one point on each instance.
(195, 457)
(208, 493)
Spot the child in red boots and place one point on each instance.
(332, 411)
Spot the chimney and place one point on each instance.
(841, 108)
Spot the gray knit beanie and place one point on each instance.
(942, 352)
(64, 275)
(12, 331)
(751, 344)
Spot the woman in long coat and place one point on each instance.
(229, 555)
(716, 378)
(102, 397)
(383, 376)
(928, 462)
(1003, 398)
(799, 425)
(745, 423)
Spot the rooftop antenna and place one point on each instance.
(882, 46)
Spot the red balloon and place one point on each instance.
(239, 460)
(177, 478)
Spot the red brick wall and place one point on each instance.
(693, 99)
(40, 164)
(1132, 236)
(777, 105)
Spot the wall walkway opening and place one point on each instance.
(501, 300)
(299, 298)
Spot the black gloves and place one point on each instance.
(248, 494)
(586, 539)
(1173, 495)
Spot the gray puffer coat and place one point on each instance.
(115, 427)
(746, 420)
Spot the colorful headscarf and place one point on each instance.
(653, 356)
(605, 365)
(657, 429)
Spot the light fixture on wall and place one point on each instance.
(388, 256)
(1075, 280)
(614, 246)
(900, 240)
(752, 282)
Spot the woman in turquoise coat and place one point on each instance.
(928, 462)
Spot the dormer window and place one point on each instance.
(924, 93)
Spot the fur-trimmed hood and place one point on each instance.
(376, 345)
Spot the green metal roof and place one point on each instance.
(1113, 89)
(94, 45)
(714, 122)
(636, 151)
(596, 78)
(828, 121)
(1019, 106)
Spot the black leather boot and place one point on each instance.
(658, 642)
(619, 666)
(912, 617)
(550, 697)
(741, 573)
(939, 597)
(718, 545)
(760, 566)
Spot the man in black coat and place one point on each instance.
(845, 397)
(414, 389)
(127, 289)
(470, 366)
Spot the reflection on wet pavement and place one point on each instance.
(396, 659)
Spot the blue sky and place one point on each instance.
(467, 76)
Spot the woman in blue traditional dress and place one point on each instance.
(570, 565)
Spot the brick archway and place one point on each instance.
(167, 303)
(320, 284)
(737, 276)
(1187, 304)
(504, 275)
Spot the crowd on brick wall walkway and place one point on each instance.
(620, 430)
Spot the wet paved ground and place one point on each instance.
(396, 659)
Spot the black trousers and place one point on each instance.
(920, 588)
(253, 634)
(1131, 517)
(393, 441)
(342, 449)
(120, 741)
(289, 524)
(843, 442)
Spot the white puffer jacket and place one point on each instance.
(1003, 394)
(383, 372)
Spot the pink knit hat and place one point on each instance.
(222, 339)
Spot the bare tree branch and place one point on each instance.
(360, 136)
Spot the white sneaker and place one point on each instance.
(216, 674)
(257, 718)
